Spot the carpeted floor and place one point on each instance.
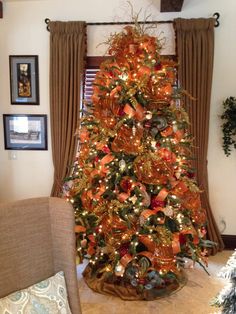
(193, 298)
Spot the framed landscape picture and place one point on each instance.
(25, 131)
(24, 80)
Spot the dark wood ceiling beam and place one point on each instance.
(1, 14)
(171, 5)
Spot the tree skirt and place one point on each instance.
(117, 286)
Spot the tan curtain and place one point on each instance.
(195, 51)
(67, 55)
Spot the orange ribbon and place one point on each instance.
(168, 131)
(126, 259)
(102, 170)
(115, 91)
(138, 112)
(79, 229)
(83, 135)
(162, 194)
(122, 197)
(167, 154)
(129, 110)
(147, 213)
(107, 159)
(181, 188)
(98, 195)
(175, 243)
(144, 70)
(151, 245)
(95, 99)
(91, 249)
(179, 135)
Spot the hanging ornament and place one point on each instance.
(148, 115)
(119, 270)
(177, 174)
(122, 165)
(134, 282)
(175, 127)
(149, 286)
(168, 211)
(123, 76)
(161, 123)
(134, 130)
(83, 243)
(177, 103)
(133, 199)
(153, 144)
(154, 131)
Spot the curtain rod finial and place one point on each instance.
(47, 20)
(216, 15)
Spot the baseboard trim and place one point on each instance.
(229, 241)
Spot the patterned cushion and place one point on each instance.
(46, 297)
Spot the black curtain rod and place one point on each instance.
(215, 15)
(128, 23)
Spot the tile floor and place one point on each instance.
(193, 298)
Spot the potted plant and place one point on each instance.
(229, 125)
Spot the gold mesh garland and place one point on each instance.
(164, 259)
(127, 142)
(106, 111)
(79, 185)
(115, 230)
(192, 202)
(83, 155)
(150, 169)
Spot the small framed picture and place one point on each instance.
(25, 131)
(24, 80)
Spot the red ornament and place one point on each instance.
(126, 184)
(182, 239)
(158, 67)
(191, 175)
(121, 112)
(96, 159)
(142, 281)
(147, 124)
(106, 149)
(124, 249)
(156, 203)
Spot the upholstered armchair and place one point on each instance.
(36, 241)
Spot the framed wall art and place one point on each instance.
(24, 80)
(25, 131)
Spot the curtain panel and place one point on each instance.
(195, 52)
(67, 57)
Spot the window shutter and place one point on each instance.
(88, 83)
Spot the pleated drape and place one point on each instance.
(67, 55)
(195, 52)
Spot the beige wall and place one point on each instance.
(22, 31)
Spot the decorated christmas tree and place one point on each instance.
(226, 299)
(137, 205)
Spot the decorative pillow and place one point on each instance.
(46, 297)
